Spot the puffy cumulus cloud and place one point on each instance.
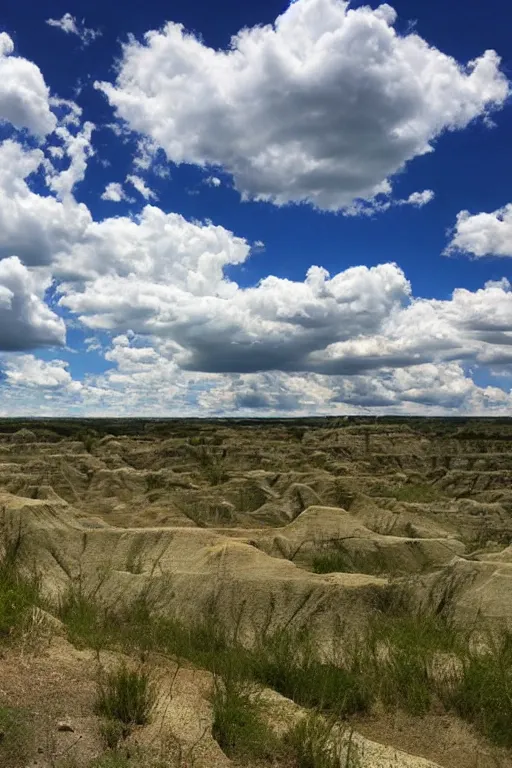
(71, 26)
(425, 389)
(30, 371)
(30, 386)
(471, 326)
(148, 157)
(24, 95)
(114, 192)
(26, 321)
(483, 234)
(152, 254)
(163, 278)
(145, 377)
(323, 106)
(218, 326)
(269, 392)
(34, 227)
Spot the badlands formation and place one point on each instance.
(266, 527)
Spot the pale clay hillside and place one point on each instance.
(322, 593)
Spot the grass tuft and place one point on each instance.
(113, 732)
(312, 745)
(86, 622)
(481, 689)
(238, 724)
(18, 597)
(126, 695)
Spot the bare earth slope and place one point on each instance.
(278, 524)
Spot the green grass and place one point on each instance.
(410, 492)
(212, 464)
(481, 692)
(16, 737)
(126, 695)
(289, 665)
(86, 622)
(417, 492)
(336, 561)
(394, 664)
(238, 723)
(113, 732)
(403, 652)
(113, 759)
(312, 745)
(18, 597)
(340, 561)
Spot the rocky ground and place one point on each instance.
(277, 524)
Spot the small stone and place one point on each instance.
(65, 727)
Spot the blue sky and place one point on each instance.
(312, 217)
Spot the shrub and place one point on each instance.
(126, 695)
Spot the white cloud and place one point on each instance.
(381, 204)
(355, 339)
(71, 26)
(79, 150)
(114, 192)
(483, 234)
(419, 199)
(213, 181)
(71, 112)
(163, 278)
(24, 95)
(324, 106)
(156, 250)
(26, 321)
(146, 151)
(34, 227)
(141, 187)
(57, 153)
(29, 371)
(146, 379)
